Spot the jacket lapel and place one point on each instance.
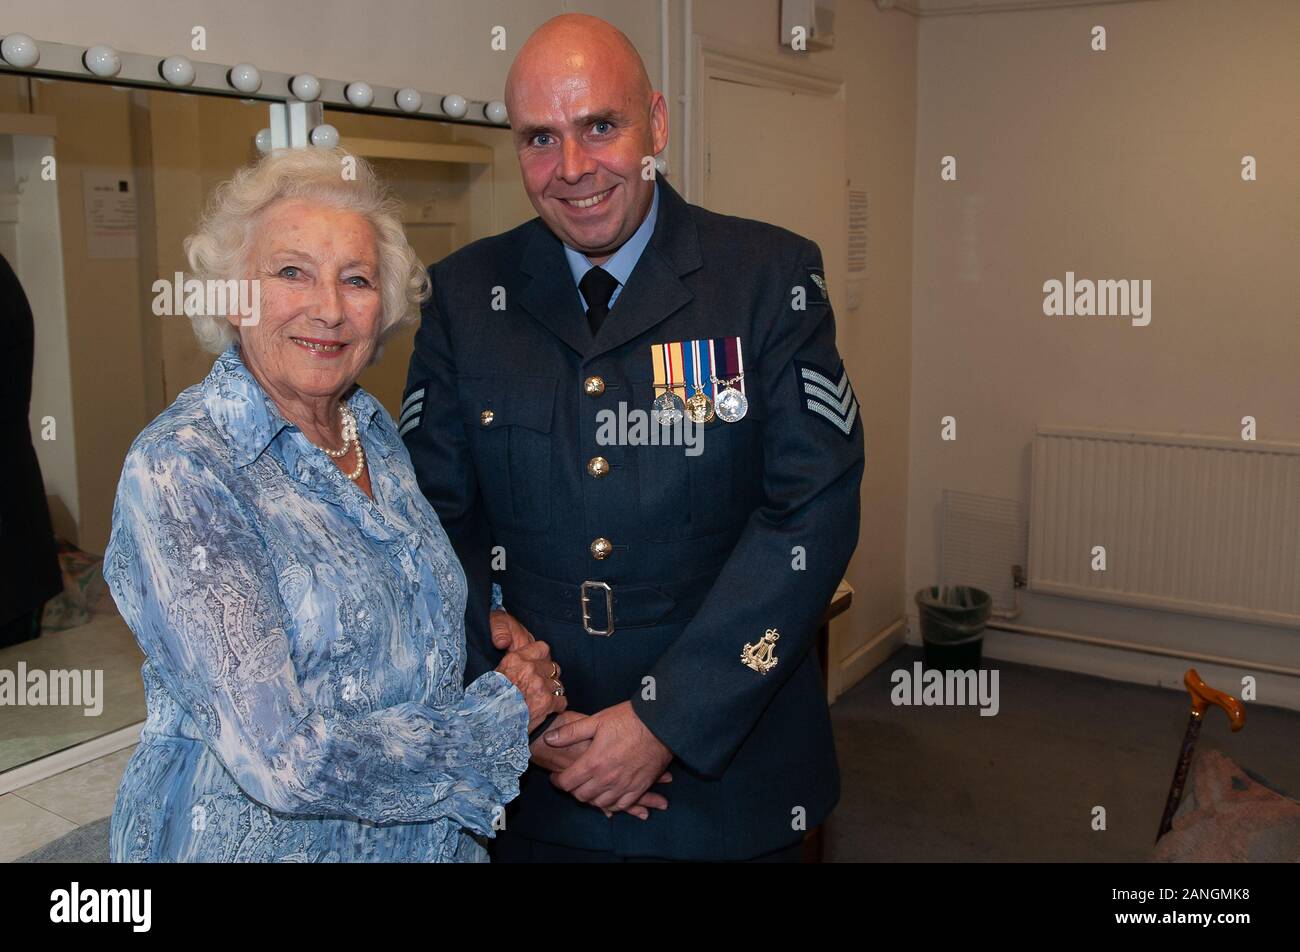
(550, 296)
(654, 290)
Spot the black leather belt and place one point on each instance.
(599, 606)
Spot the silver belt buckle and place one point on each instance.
(609, 609)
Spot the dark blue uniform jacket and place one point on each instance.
(502, 416)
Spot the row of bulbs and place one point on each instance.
(21, 51)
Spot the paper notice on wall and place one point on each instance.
(857, 260)
(111, 214)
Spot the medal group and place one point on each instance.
(713, 369)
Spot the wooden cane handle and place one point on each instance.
(1203, 696)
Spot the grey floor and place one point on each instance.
(944, 784)
(926, 783)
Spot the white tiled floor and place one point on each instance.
(34, 815)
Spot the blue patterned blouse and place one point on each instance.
(304, 648)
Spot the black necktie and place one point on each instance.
(597, 287)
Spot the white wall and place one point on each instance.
(1118, 164)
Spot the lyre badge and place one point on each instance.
(761, 656)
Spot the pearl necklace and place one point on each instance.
(349, 440)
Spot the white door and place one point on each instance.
(778, 156)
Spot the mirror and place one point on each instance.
(99, 185)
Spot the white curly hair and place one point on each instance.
(219, 250)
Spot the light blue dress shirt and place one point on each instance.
(304, 648)
(621, 262)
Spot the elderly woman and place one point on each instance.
(299, 605)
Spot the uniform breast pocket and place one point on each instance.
(508, 421)
(701, 478)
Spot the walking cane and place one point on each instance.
(1202, 697)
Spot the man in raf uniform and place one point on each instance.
(630, 414)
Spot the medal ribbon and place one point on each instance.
(670, 374)
(692, 365)
(699, 373)
(676, 370)
(733, 360)
(688, 366)
(680, 363)
(661, 377)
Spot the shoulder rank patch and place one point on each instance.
(827, 396)
(412, 411)
(818, 278)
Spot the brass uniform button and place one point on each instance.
(594, 386)
(486, 417)
(598, 466)
(601, 548)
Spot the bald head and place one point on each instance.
(575, 47)
(587, 125)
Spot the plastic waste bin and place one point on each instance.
(952, 625)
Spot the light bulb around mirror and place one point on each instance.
(409, 100)
(102, 61)
(359, 94)
(177, 70)
(454, 106)
(245, 77)
(19, 49)
(305, 86)
(325, 136)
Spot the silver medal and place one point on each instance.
(731, 405)
(668, 408)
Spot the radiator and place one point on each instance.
(1203, 525)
